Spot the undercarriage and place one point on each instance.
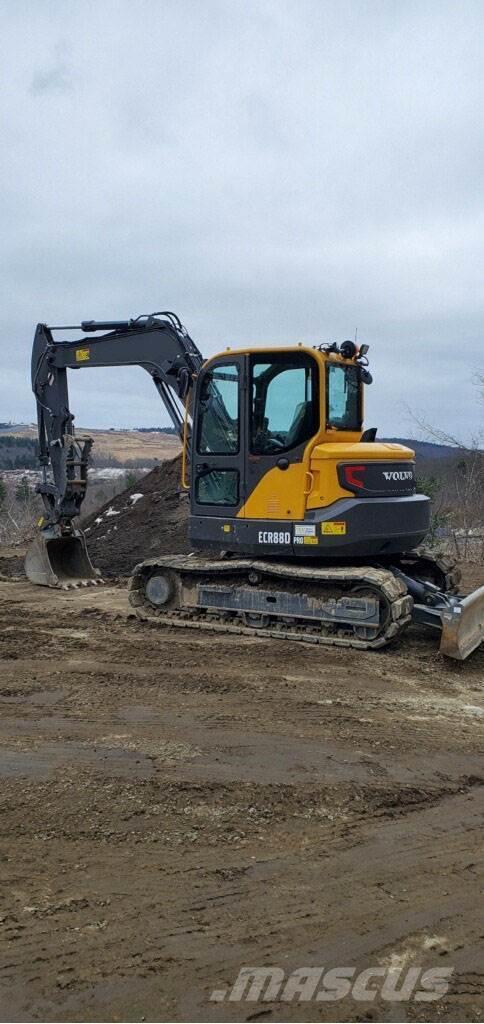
(365, 607)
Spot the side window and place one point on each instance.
(218, 487)
(284, 403)
(218, 416)
(343, 397)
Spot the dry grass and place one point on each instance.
(123, 445)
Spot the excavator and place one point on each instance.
(303, 525)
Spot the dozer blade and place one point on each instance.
(463, 626)
(53, 560)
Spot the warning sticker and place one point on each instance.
(310, 540)
(304, 530)
(83, 355)
(333, 527)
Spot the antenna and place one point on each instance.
(356, 334)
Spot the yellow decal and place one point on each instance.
(310, 540)
(333, 527)
(227, 527)
(83, 355)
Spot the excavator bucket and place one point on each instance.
(463, 626)
(56, 560)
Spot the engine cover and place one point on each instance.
(378, 479)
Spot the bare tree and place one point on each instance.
(19, 509)
(462, 485)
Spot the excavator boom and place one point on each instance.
(158, 343)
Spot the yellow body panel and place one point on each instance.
(313, 483)
(324, 460)
(368, 452)
(280, 494)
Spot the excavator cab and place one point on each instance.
(263, 409)
(278, 466)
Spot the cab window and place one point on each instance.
(284, 402)
(218, 411)
(217, 487)
(343, 397)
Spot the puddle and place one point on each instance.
(41, 764)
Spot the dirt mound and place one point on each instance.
(147, 519)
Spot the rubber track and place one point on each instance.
(190, 617)
(447, 566)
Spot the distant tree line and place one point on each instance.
(17, 452)
(157, 430)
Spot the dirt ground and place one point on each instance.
(175, 806)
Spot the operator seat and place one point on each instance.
(301, 426)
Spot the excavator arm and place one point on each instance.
(161, 346)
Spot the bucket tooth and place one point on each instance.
(59, 560)
(463, 626)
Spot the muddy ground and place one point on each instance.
(176, 805)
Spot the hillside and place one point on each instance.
(118, 446)
(426, 449)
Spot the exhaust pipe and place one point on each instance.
(60, 560)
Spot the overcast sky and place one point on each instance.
(274, 171)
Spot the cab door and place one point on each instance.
(284, 414)
(218, 440)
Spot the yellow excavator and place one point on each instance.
(303, 525)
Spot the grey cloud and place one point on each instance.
(56, 79)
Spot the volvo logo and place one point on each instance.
(395, 474)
